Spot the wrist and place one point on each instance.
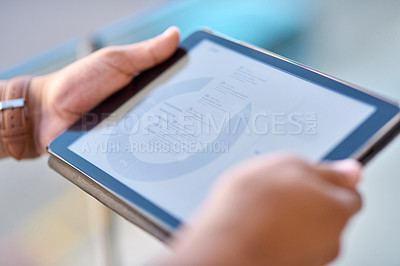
(17, 124)
(35, 106)
(207, 245)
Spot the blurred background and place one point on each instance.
(45, 220)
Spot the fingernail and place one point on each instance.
(350, 167)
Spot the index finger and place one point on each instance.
(345, 173)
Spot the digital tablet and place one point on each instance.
(152, 151)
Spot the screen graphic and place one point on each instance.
(213, 108)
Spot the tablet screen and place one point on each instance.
(211, 109)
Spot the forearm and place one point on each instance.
(211, 242)
(36, 112)
(202, 254)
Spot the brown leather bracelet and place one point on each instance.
(15, 125)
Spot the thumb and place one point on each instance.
(87, 82)
(117, 65)
(149, 53)
(346, 173)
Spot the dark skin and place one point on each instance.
(59, 99)
(272, 210)
(276, 210)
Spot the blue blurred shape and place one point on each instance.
(46, 62)
(260, 22)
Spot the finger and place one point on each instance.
(147, 54)
(345, 173)
(349, 199)
(92, 79)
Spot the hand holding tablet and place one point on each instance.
(81, 86)
(152, 151)
(273, 210)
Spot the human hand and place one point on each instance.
(277, 210)
(59, 99)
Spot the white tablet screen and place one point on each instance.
(214, 108)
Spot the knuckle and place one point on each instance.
(116, 57)
(290, 159)
(334, 251)
(112, 53)
(108, 51)
(244, 182)
(357, 201)
(154, 58)
(349, 203)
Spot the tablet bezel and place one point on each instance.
(362, 143)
